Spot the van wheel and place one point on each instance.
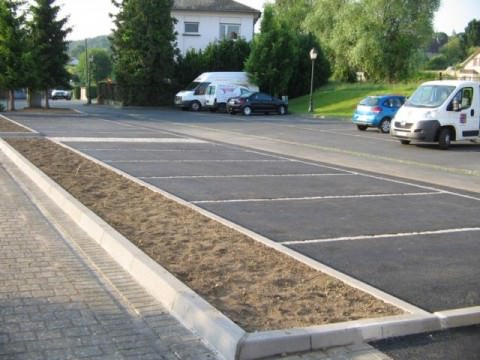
(445, 139)
(247, 111)
(282, 110)
(385, 126)
(195, 106)
(362, 127)
(405, 142)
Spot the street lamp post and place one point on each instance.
(313, 57)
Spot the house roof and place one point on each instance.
(463, 64)
(214, 5)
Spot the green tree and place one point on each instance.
(300, 83)
(227, 55)
(293, 13)
(472, 34)
(379, 37)
(454, 50)
(12, 49)
(338, 36)
(271, 62)
(48, 47)
(100, 66)
(143, 46)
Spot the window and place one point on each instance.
(229, 31)
(191, 27)
(463, 98)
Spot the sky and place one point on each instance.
(89, 18)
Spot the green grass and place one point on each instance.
(339, 99)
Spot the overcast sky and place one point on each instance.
(89, 18)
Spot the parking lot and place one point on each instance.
(415, 240)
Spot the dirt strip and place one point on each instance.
(255, 286)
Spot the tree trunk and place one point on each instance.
(34, 99)
(47, 105)
(11, 100)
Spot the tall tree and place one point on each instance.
(472, 33)
(271, 61)
(48, 47)
(12, 49)
(293, 13)
(380, 37)
(143, 47)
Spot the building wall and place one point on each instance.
(209, 28)
(472, 69)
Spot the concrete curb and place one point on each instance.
(226, 337)
(18, 124)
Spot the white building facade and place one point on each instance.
(200, 22)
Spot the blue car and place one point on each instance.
(377, 111)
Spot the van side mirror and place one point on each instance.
(456, 105)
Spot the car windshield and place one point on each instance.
(430, 96)
(370, 101)
(192, 85)
(247, 94)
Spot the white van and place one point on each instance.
(440, 111)
(193, 97)
(217, 94)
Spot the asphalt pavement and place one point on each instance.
(409, 237)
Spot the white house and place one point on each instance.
(200, 22)
(470, 69)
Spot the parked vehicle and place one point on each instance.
(218, 94)
(61, 94)
(377, 111)
(193, 97)
(440, 111)
(256, 102)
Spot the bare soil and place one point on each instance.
(8, 126)
(255, 286)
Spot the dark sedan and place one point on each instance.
(256, 102)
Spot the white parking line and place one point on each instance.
(328, 197)
(161, 161)
(156, 150)
(238, 176)
(130, 140)
(381, 236)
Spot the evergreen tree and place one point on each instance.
(12, 55)
(48, 47)
(271, 61)
(143, 46)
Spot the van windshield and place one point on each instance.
(430, 96)
(192, 85)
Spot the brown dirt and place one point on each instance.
(255, 286)
(8, 126)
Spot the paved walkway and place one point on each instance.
(63, 297)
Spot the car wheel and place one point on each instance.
(247, 111)
(195, 106)
(445, 138)
(384, 126)
(405, 142)
(362, 127)
(282, 110)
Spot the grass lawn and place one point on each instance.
(339, 99)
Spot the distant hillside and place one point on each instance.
(75, 48)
